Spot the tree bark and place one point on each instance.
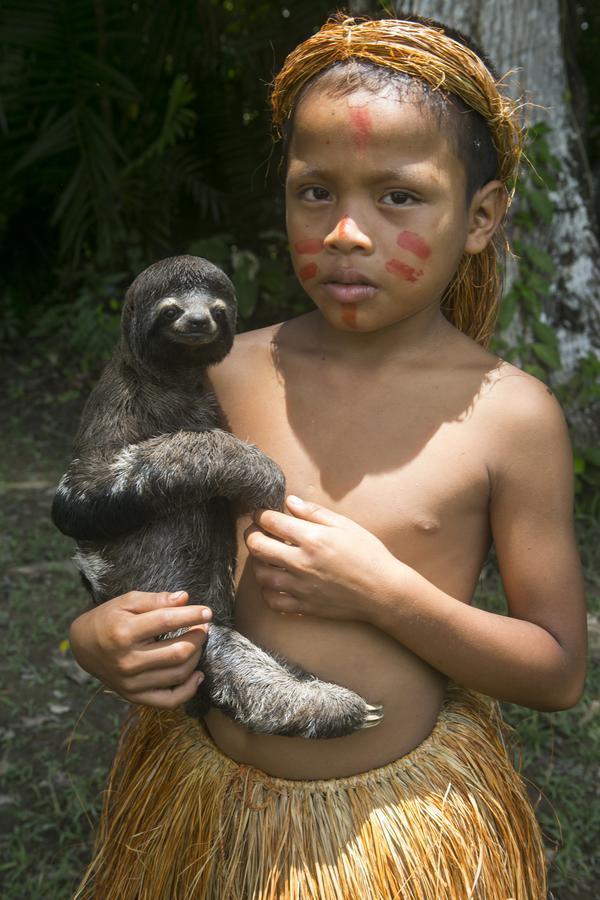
(526, 39)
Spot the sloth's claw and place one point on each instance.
(373, 717)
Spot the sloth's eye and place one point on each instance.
(170, 313)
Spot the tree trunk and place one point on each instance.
(526, 39)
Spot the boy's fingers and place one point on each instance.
(168, 698)
(150, 624)
(142, 601)
(159, 679)
(165, 654)
(313, 512)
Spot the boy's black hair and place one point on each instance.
(468, 129)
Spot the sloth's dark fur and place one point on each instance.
(147, 496)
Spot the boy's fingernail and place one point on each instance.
(177, 596)
(199, 677)
(295, 501)
(205, 614)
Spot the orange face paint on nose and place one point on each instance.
(344, 228)
(308, 271)
(309, 246)
(349, 314)
(410, 240)
(361, 126)
(406, 272)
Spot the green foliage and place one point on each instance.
(265, 284)
(524, 334)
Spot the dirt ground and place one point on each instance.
(58, 727)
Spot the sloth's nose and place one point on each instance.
(203, 324)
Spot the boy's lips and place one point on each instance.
(348, 285)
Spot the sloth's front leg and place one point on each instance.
(108, 494)
(270, 696)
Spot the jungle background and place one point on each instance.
(132, 131)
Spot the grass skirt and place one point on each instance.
(449, 821)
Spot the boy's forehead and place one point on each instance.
(367, 120)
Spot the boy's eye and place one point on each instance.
(315, 193)
(396, 198)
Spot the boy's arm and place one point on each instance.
(535, 656)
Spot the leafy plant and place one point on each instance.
(524, 331)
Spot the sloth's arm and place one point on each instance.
(103, 496)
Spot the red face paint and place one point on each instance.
(349, 314)
(308, 271)
(399, 268)
(362, 124)
(409, 240)
(343, 228)
(309, 246)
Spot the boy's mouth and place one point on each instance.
(348, 285)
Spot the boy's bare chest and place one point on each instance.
(406, 466)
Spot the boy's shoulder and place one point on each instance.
(526, 430)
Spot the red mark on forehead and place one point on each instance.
(399, 268)
(309, 246)
(409, 240)
(349, 314)
(362, 124)
(308, 271)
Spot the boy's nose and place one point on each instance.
(346, 236)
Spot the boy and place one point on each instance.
(412, 448)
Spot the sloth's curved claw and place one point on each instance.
(374, 716)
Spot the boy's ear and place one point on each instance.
(486, 212)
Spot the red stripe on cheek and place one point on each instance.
(409, 240)
(309, 246)
(308, 271)
(361, 120)
(399, 268)
(349, 314)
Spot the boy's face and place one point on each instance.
(376, 207)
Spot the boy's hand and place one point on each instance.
(319, 563)
(116, 643)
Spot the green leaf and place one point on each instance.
(548, 355)
(578, 465)
(592, 454)
(542, 260)
(247, 292)
(542, 205)
(216, 248)
(546, 335)
(508, 307)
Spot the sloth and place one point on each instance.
(149, 497)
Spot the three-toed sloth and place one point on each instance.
(147, 496)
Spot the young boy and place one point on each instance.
(412, 448)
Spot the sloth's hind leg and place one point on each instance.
(270, 696)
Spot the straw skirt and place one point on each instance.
(449, 821)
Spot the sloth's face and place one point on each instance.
(194, 319)
(179, 312)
